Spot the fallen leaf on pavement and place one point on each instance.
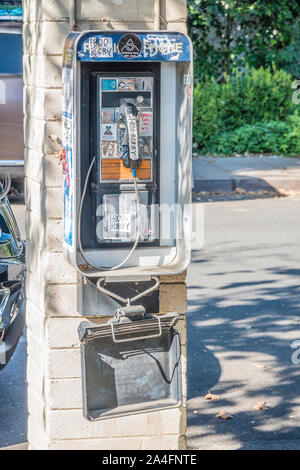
(211, 396)
(223, 415)
(259, 366)
(261, 406)
(240, 191)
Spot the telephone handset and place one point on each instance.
(130, 157)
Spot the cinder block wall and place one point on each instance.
(54, 375)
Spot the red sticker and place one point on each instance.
(145, 127)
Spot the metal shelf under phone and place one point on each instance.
(130, 366)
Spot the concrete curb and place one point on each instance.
(274, 174)
(276, 185)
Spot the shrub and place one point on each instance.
(262, 137)
(251, 112)
(292, 144)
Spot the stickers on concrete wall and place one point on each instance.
(67, 138)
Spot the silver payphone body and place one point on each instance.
(126, 147)
(127, 113)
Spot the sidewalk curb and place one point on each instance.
(271, 184)
(275, 174)
(225, 186)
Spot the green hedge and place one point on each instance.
(250, 113)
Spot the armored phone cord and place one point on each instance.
(118, 266)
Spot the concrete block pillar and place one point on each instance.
(54, 370)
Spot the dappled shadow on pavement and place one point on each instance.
(241, 328)
(13, 399)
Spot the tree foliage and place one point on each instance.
(230, 35)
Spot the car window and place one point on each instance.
(10, 53)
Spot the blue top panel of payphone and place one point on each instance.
(135, 46)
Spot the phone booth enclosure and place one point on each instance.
(103, 74)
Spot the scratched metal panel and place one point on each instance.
(125, 378)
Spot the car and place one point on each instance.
(12, 318)
(12, 292)
(12, 248)
(11, 92)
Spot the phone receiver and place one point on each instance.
(130, 157)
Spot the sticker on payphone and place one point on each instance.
(109, 132)
(101, 46)
(145, 146)
(117, 115)
(109, 84)
(107, 115)
(119, 212)
(126, 84)
(119, 218)
(121, 138)
(144, 83)
(119, 223)
(109, 149)
(145, 123)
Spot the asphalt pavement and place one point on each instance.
(243, 325)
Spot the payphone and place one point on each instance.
(127, 111)
(126, 145)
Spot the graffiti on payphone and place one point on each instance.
(67, 140)
(134, 46)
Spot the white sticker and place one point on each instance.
(119, 223)
(101, 46)
(187, 80)
(109, 132)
